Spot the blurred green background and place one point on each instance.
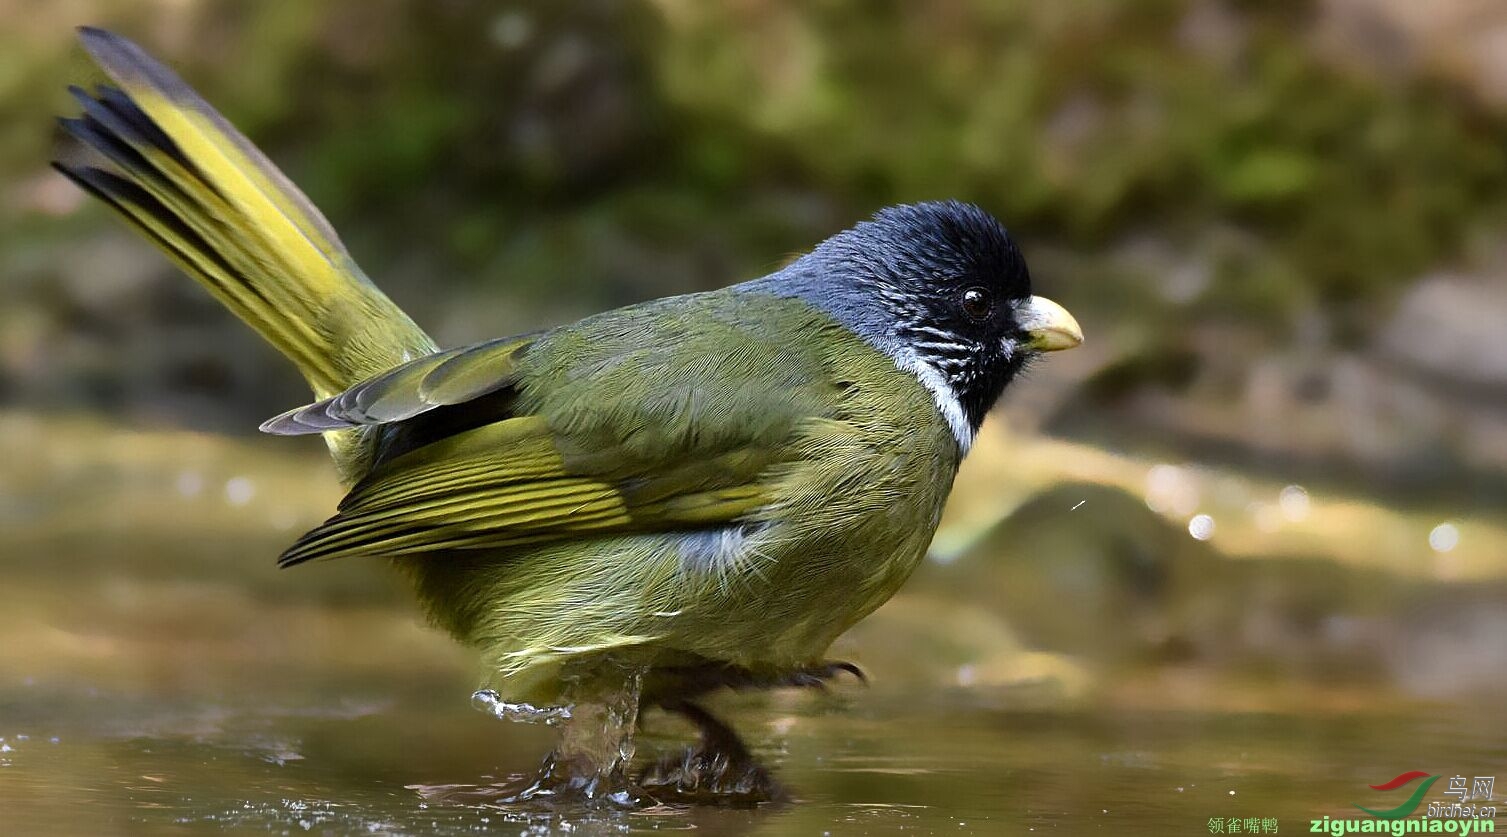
(1274, 480)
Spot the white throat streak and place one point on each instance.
(941, 392)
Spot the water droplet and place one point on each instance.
(1444, 537)
(484, 700)
(1201, 527)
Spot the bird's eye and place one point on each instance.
(978, 304)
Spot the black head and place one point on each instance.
(942, 289)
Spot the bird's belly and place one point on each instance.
(760, 596)
(770, 598)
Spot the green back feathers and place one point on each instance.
(609, 430)
(202, 193)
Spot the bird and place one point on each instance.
(629, 511)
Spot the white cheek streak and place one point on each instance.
(942, 393)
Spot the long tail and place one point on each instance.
(200, 191)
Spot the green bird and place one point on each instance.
(677, 496)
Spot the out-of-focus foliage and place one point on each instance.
(1083, 121)
(1190, 176)
(593, 152)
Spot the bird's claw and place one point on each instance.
(816, 676)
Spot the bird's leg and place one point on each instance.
(719, 770)
(589, 763)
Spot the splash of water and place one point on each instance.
(488, 701)
(589, 764)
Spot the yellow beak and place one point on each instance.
(1051, 327)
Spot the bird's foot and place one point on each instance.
(560, 782)
(488, 701)
(699, 776)
(719, 770)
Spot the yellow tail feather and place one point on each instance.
(199, 190)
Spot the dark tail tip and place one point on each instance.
(127, 63)
(97, 40)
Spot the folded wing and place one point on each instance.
(627, 437)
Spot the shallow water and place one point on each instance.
(158, 675)
(90, 762)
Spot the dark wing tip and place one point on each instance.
(282, 425)
(287, 424)
(309, 419)
(277, 425)
(305, 549)
(290, 559)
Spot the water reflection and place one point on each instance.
(972, 767)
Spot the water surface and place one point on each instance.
(159, 675)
